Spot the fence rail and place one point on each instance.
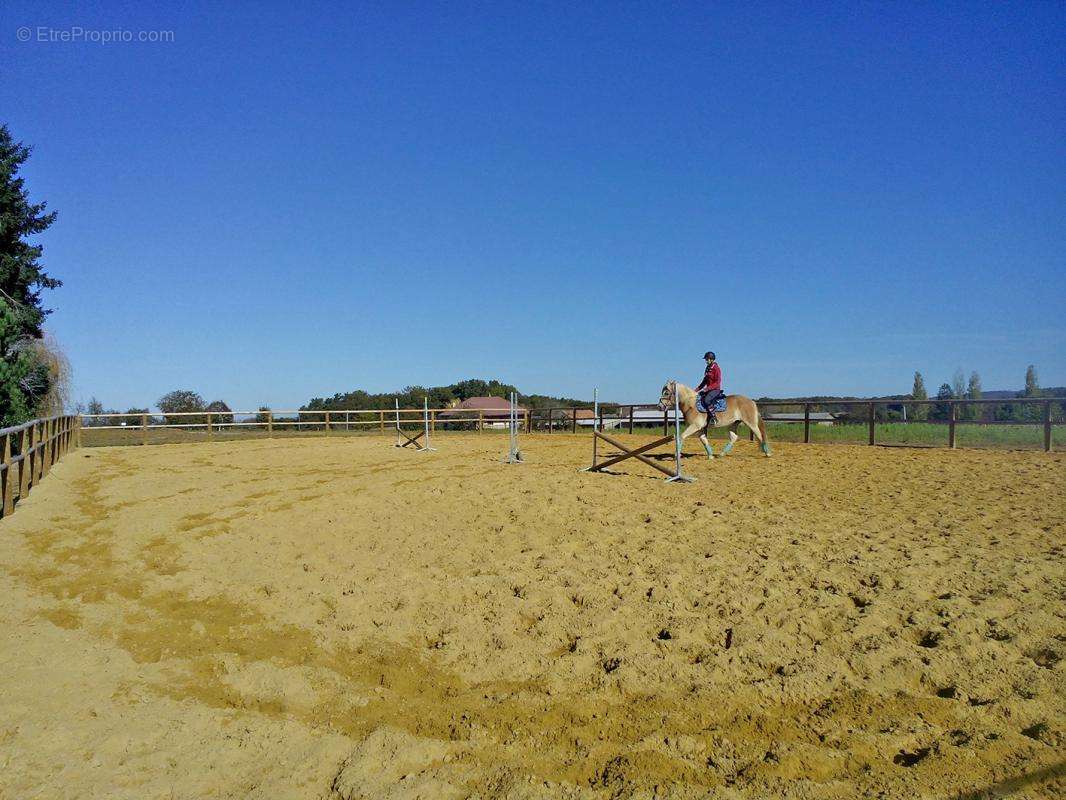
(29, 452)
(1037, 412)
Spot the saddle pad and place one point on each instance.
(719, 405)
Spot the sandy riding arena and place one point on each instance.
(336, 618)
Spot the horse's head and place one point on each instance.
(666, 399)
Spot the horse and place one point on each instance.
(738, 409)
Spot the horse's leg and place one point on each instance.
(760, 433)
(691, 429)
(688, 430)
(707, 448)
(732, 438)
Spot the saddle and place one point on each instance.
(717, 406)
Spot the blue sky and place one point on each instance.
(295, 199)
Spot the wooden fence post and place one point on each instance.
(951, 427)
(665, 433)
(631, 420)
(480, 420)
(1047, 426)
(7, 497)
(49, 446)
(77, 432)
(573, 422)
(433, 421)
(381, 414)
(144, 429)
(872, 417)
(210, 432)
(328, 428)
(38, 452)
(806, 423)
(270, 424)
(26, 464)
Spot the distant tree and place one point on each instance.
(943, 409)
(94, 407)
(220, 412)
(262, 418)
(918, 392)
(126, 419)
(973, 392)
(473, 387)
(181, 401)
(25, 374)
(1032, 389)
(1032, 382)
(958, 384)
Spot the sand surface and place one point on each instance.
(335, 618)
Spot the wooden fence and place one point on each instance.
(1035, 412)
(29, 451)
(212, 422)
(629, 416)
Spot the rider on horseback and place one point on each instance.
(710, 388)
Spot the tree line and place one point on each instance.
(187, 407)
(962, 389)
(179, 407)
(439, 397)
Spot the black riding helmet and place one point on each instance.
(709, 354)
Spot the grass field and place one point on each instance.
(335, 618)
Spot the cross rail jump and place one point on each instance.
(405, 440)
(672, 476)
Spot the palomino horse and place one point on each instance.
(738, 409)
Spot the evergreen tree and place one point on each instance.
(918, 392)
(24, 376)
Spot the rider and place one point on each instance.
(710, 388)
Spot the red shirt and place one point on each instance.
(712, 379)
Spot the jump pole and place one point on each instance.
(425, 421)
(678, 476)
(595, 422)
(514, 455)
